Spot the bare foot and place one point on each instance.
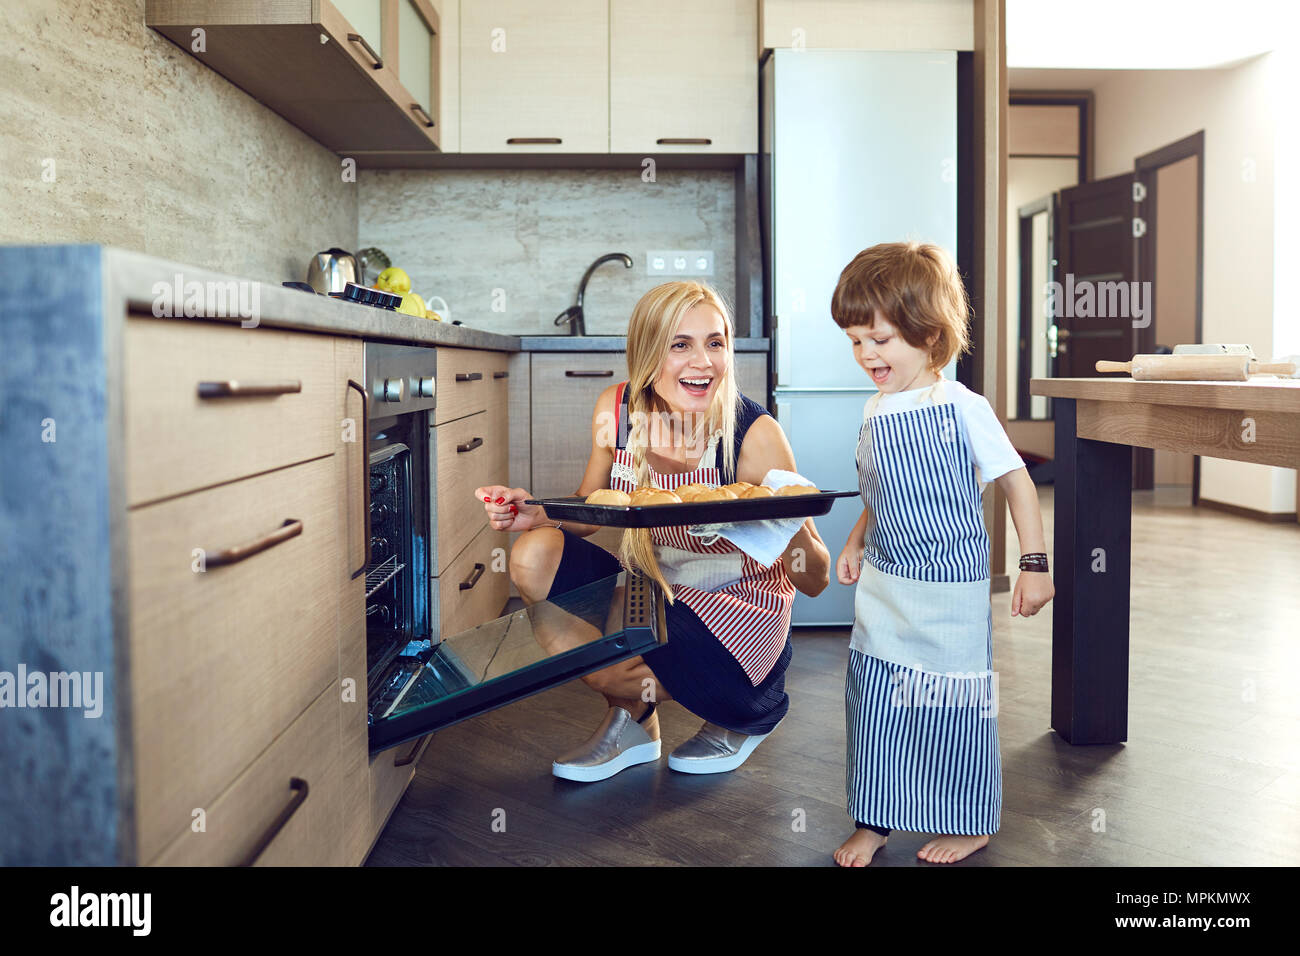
(950, 849)
(858, 849)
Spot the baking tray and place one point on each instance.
(575, 508)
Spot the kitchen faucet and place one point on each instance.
(573, 314)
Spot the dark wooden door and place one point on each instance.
(1094, 305)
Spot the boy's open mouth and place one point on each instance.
(879, 374)
(699, 387)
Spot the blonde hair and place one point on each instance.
(650, 331)
(913, 286)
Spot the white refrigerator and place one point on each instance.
(857, 148)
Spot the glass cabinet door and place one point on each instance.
(431, 686)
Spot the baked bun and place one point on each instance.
(653, 496)
(739, 487)
(691, 491)
(791, 490)
(717, 494)
(608, 496)
(758, 491)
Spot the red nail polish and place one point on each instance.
(499, 500)
(486, 498)
(514, 510)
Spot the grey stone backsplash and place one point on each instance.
(506, 248)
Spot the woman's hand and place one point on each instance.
(507, 511)
(1033, 590)
(848, 567)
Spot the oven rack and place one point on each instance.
(380, 574)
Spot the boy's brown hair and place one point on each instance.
(915, 287)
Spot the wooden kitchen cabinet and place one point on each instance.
(310, 63)
(534, 78)
(683, 76)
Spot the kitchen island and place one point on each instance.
(1098, 423)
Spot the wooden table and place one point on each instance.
(1098, 422)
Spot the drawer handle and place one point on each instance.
(534, 141)
(291, 528)
(417, 108)
(358, 38)
(474, 575)
(469, 376)
(365, 471)
(582, 373)
(235, 389)
(685, 141)
(299, 788)
(468, 445)
(500, 374)
(413, 753)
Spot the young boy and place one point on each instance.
(920, 690)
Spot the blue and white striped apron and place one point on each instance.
(920, 695)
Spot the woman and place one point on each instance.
(679, 419)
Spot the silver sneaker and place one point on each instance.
(715, 750)
(618, 743)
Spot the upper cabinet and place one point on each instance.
(534, 77)
(355, 75)
(683, 76)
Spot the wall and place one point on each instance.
(153, 151)
(507, 248)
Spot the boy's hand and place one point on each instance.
(848, 567)
(1033, 590)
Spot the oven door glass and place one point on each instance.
(552, 642)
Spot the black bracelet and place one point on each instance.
(1033, 562)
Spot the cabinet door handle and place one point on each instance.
(232, 388)
(685, 141)
(469, 376)
(411, 754)
(291, 528)
(500, 374)
(468, 445)
(417, 108)
(299, 788)
(370, 51)
(534, 141)
(365, 472)
(474, 575)
(583, 373)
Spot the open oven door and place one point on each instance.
(430, 686)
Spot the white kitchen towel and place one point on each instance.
(764, 541)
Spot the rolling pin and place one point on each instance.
(1195, 368)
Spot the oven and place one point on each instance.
(419, 680)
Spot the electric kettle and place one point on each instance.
(331, 271)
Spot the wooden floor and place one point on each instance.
(1209, 775)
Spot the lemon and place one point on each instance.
(412, 304)
(394, 279)
(430, 314)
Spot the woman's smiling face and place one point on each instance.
(696, 361)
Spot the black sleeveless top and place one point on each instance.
(748, 411)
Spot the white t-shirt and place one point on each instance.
(990, 447)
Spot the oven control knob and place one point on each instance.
(392, 390)
(426, 387)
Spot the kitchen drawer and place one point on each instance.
(245, 814)
(178, 442)
(472, 452)
(458, 607)
(390, 774)
(565, 388)
(223, 660)
(469, 381)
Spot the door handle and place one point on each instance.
(411, 754)
(474, 575)
(582, 373)
(291, 528)
(358, 38)
(365, 472)
(469, 376)
(534, 141)
(299, 788)
(685, 141)
(468, 446)
(420, 111)
(236, 389)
